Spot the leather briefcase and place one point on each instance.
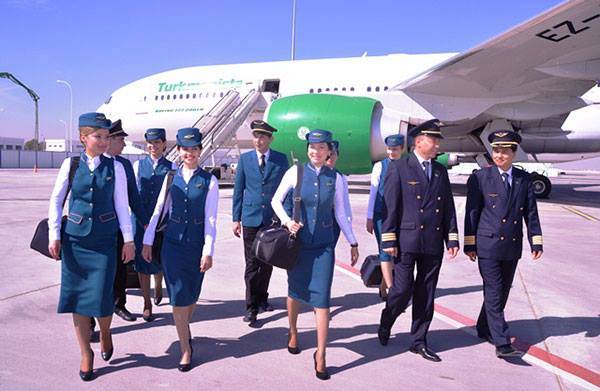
(370, 271)
(275, 245)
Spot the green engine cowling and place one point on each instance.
(350, 119)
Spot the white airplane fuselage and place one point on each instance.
(178, 98)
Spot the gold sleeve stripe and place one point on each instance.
(453, 236)
(388, 237)
(537, 239)
(470, 240)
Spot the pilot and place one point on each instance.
(116, 143)
(499, 198)
(257, 177)
(420, 218)
(376, 208)
(150, 173)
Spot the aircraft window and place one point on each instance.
(335, 89)
(174, 96)
(343, 88)
(156, 97)
(312, 90)
(194, 96)
(187, 96)
(214, 94)
(162, 97)
(369, 89)
(385, 88)
(319, 90)
(207, 94)
(180, 96)
(377, 88)
(144, 99)
(351, 88)
(168, 97)
(221, 94)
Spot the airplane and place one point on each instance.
(539, 78)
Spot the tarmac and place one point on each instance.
(553, 313)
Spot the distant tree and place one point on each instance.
(30, 145)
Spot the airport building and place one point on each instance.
(11, 144)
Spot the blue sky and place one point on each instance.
(100, 46)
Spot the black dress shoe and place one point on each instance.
(292, 350)
(185, 367)
(250, 316)
(507, 351)
(320, 375)
(384, 335)
(265, 306)
(487, 338)
(426, 353)
(158, 299)
(88, 375)
(122, 313)
(108, 354)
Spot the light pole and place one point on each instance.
(66, 133)
(70, 138)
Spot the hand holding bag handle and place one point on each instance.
(40, 239)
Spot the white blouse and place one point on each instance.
(121, 199)
(210, 211)
(375, 177)
(288, 182)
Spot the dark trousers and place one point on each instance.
(257, 274)
(120, 276)
(497, 279)
(421, 289)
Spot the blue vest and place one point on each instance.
(151, 180)
(91, 207)
(318, 197)
(186, 221)
(379, 204)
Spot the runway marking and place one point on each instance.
(580, 213)
(28, 292)
(557, 365)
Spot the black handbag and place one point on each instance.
(162, 224)
(132, 280)
(275, 245)
(40, 239)
(370, 271)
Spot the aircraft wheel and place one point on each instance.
(541, 185)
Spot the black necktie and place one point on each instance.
(262, 163)
(506, 183)
(426, 168)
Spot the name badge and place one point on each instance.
(412, 183)
(198, 185)
(493, 194)
(108, 178)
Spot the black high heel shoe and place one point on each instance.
(320, 375)
(292, 350)
(187, 367)
(108, 354)
(88, 375)
(158, 298)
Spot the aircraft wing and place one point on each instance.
(537, 70)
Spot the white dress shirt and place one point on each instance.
(421, 160)
(509, 172)
(267, 154)
(210, 211)
(288, 182)
(375, 177)
(121, 198)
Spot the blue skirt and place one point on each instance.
(377, 222)
(181, 265)
(310, 280)
(141, 266)
(87, 275)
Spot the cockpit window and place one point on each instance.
(108, 100)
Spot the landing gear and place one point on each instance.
(541, 185)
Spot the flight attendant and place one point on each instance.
(150, 174)
(331, 163)
(322, 201)
(98, 208)
(376, 207)
(499, 198)
(258, 174)
(189, 238)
